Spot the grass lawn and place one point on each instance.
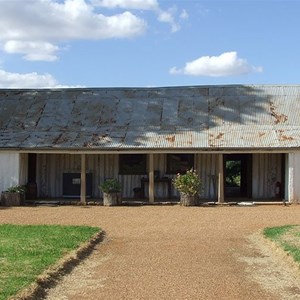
(287, 237)
(26, 251)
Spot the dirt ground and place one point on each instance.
(173, 252)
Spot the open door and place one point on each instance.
(238, 175)
(31, 192)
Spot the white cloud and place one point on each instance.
(168, 17)
(32, 50)
(128, 4)
(28, 80)
(165, 16)
(227, 64)
(184, 15)
(36, 27)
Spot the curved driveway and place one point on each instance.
(172, 252)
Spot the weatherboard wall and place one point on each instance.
(50, 169)
(293, 177)
(9, 170)
(267, 171)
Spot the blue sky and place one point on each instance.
(120, 43)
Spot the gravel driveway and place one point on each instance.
(173, 252)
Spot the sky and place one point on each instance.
(148, 43)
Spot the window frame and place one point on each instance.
(127, 168)
(171, 169)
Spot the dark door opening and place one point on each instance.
(282, 185)
(31, 192)
(31, 168)
(238, 175)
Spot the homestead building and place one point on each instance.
(66, 142)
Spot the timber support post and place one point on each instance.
(151, 178)
(221, 180)
(83, 180)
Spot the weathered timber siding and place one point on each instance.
(9, 170)
(207, 167)
(266, 172)
(50, 169)
(23, 169)
(293, 177)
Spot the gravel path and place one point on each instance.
(173, 252)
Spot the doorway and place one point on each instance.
(31, 193)
(238, 175)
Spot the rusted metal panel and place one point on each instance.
(196, 117)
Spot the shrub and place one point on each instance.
(188, 183)
(110, 186)
(20, 189)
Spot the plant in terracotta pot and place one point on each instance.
(189, 186)
(13, 196)
(111, 189)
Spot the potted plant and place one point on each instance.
(111, 189)
(13, 196)
(189, 186)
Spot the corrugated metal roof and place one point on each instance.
(197, 117)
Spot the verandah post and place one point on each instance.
(221, 180)
(151, 178)
(83, 180)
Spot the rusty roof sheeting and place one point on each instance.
(198, 117)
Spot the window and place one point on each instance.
(132, 164)
(179, 163)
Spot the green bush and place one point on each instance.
(21, 189)
(110, 186)
(188, 183)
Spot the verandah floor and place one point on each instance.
(157, 201)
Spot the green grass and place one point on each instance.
(287, 237)
(26, 251)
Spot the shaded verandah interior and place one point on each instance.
(260, 174)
